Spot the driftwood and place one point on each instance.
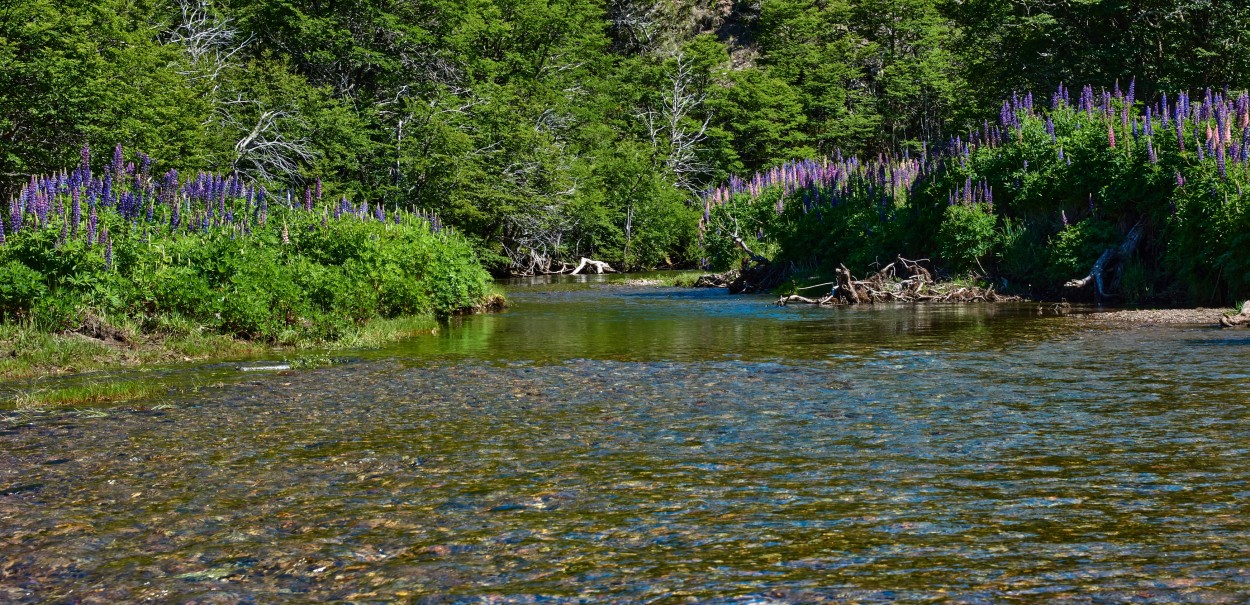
(1110, 262)
(598, 265)
(716, 280)
(1240, 319)
(904, 281)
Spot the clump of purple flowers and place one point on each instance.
(125, 197)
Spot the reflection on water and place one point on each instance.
(609, 444)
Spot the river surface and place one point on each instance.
(611, 444)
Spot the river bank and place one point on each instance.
(30, 357)
(1148, 317)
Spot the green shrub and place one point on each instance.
(966, 236)
(20, 287)
(330, 276)
(1075, 249)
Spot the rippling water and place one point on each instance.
(611, 444)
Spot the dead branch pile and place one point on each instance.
(903, 280)
(716, 280)
(1240, 319)
(545, 265)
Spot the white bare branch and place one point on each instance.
(674, 131)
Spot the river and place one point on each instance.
(602, 443)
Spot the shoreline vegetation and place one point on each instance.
(111, 266)
(1095, 195)
(29, 357)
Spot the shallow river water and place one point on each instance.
(611, 444)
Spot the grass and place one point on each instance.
(27, 352)
(678, 279)
(113, 391)
(28, 356)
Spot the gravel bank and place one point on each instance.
(1156, 316)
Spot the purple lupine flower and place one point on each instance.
(264, 207)
(1180, 180)
(1050, 129)
(93, 220)
(106, 193)
(15, 214)
(1150, 151)
(318, 189)
(1, 233)
(1219, 161)
(308, 200)
(108, 249)
(1064, 217)
(118, 165)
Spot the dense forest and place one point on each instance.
(544, 130)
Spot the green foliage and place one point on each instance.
(332, 277)
(531, 125)
(20, 287)
(1075, 248)
(1033, 201)
(967, 235)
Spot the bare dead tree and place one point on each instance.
(647, 26)
(209, 41)
(269, 151)
(269, 144)
(674, 130)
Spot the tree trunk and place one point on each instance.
(1111, 261)
(1240, 319)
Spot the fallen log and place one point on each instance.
(1240, 319)
(1111, 259)
(795, 298)
(598, 265)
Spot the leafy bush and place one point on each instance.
(1042, 193)
(966, 236)
(20, 287)
(214, 252)
(1075, 249)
